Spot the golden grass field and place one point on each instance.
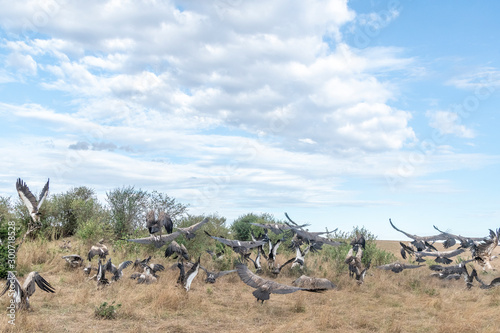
(410, 301)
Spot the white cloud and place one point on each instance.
(448, 122)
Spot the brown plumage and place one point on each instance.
(155, 225)
(264, 288)
(99, 249)
(175, 248)
(483, 252)
(313, 283)
(22, 294)
(398, 267)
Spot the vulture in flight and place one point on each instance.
(483, 252)
(213, 276)
(264, 288)
(465, 242)
(240, 247)
(494, 283)
(421, 242)
(442, 257)
(277, 269)
(175, 248)
(22, 294)
(29, 199)
(159, 241)
(398, 267)
(155, 225)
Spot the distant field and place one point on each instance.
(411, 301)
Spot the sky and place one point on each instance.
(340, 113)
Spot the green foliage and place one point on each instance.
(242, 226)
(162, 202)
(127, 206)
(105, 311)
(371, 253)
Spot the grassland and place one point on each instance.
(411, 301)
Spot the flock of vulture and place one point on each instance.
(261, 246)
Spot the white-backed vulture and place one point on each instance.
(74, 260)
(313, 283)
(99, 249)
(155, 225)
(213, 276)
(22, 294)
(175, 248)
(397, 267)
(29, 199)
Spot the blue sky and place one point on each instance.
(340, 113)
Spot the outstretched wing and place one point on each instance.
(256, 281)
(166, 221)
(26, 196)
(124, 264)
(35, 278)
(158, 242)
(222, 273)
(43, 195)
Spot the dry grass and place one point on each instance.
(407, 302)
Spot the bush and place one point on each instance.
(105, 311)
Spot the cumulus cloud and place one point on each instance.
(448, 122)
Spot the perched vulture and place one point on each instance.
(313, 283)
(22, 294)
(264, 288)
(29, 199)
(397, 267)
(74, 260)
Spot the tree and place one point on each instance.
(127, 206)
(242, 225)
(162, 202)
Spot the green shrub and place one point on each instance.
(105, 311)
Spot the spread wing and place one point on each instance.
(12, 279)
(150, 219)
(124, 265)
(35, 278)
(222, 273)
(256, 281)
(166, 221)
(195, 227)
(43, 195)
(26, 196)
(443, 254)
(162, 240)
(174, 247)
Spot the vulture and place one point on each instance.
(117, 271)
(155, 225)
(442, 257)
(139, 263)
(469, 278)
(65, 245)
(277, 269)
(273, 249)
(256, 262)
(146, 277)
(175, 248)
(419, 242)
(299, 256)
(74, 260)
(398, 267)
(483, 252)
(356, 269)
(29, 199)
(277, 228)
(358, 241)
(98, 250)
(213, 276)
(495, 282)
(216, 255)
(159, 241)
(187, 278)
(264, 288)
(101, 275)
(448, 272)
(240, 247)
(465, 242)
(22, 294)
(312, 237)
(313, 283)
